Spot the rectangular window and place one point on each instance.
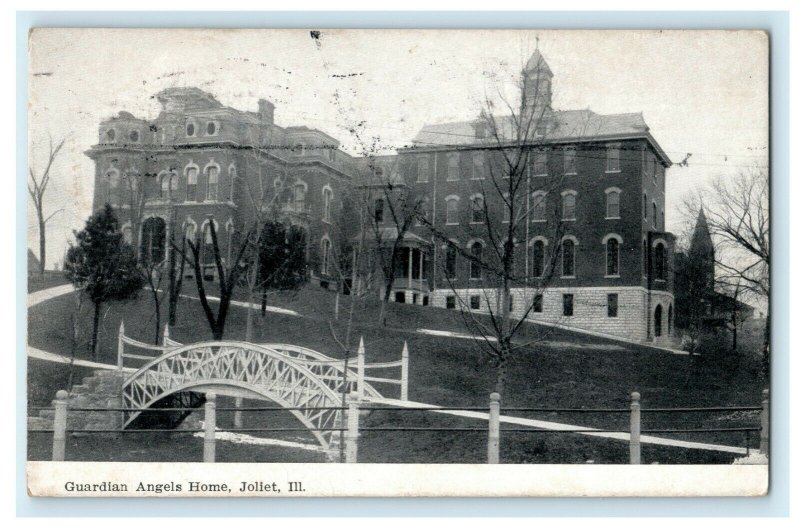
(569, 161)
(477, 167)
(540, 164)
(568, 300)
(475, 302)
(613, 299)
(452, 168)
(450, 262)
(422, 170)
(568, 207)
(450, 302)
(612, 159)
(539, 207)
(451, 213)
(612, 204)
(537, 303)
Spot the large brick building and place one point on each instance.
(594, 188)
(199, 160)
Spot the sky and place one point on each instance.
(701, 92)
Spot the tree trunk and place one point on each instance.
(157, 304)
(500, 381)
(42, 245)
(765, 349)
(248, 333)
(95, 327)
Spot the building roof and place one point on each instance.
(537, 62)
(563, 126)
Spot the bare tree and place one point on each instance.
(737, 212)
(228, 274)
(37, 187)
(390, 207)
(510, 142)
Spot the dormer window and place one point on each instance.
(111, 134)
(134, 135)
(190, 129)
(211, 128)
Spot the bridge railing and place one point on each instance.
(156, 350)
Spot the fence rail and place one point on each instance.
(353, 430)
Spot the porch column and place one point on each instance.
(410, 255)
(420, 264)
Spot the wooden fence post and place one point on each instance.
(237, 414)
(636, 428)
(60, 426)
(404, 373)
(360, 363)
(764, 444)
(351, 435)
(120, 344)
(209, 447)
(493, 455)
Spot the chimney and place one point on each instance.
(266, 112)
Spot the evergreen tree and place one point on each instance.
(282, 259)
(102, 264)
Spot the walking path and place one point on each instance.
(43, 295)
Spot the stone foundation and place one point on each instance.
(590, 309)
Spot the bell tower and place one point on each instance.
(537, 81)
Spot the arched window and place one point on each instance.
(478, 211)
(568, 205)
(450, 255)
(112, 186)
(655, 215)
(660, 262)
(644, 206)
(211, 128)
(165, 186)
(299, 197)
(452, 167)
(379, 210)
(657, 321)
(327, 203)
(612, 203)
(190, 231)
(213, 183)
(208, 245)
(451, 212)
(644, 257)
(134, 135)
(190, 129)
(539, 206)
(538, 258)
(423, 211)
(191, 184)
(669, 320)
(326, 256)
(153, 243)
(612, 257)
(111, 134)
(127, 234)
(233, 183)
(475, 268)
(568, 258)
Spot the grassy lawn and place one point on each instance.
(561, 369)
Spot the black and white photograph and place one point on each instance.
(453, 262)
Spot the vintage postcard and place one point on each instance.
(295, 263)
